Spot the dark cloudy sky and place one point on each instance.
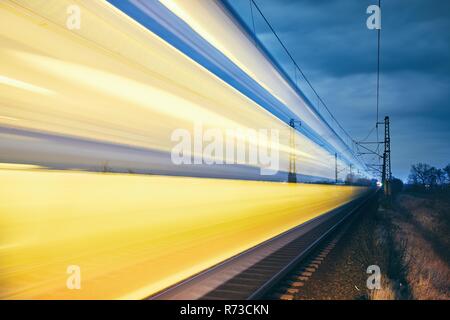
(331, 43)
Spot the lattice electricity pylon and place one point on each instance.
(387, 174)
(335, 168)
(292, 176)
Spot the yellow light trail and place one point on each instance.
(115, 82)
(212, 22)
(133, 235)
(129, 87)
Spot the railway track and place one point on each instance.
(290, 286)
(255, 273)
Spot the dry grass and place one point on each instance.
(421, 224)
(391, 257)
(387, 291)
(375, 245)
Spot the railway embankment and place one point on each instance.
(408, 240)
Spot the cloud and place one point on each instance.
(331, 43)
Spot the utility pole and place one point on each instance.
(292, 176)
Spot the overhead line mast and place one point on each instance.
(292, 176)
(387, 174)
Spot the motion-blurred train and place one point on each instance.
(91, 92)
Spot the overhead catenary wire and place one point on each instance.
(368, 135)
(378, 74)
(320, 100)
(253, 22)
